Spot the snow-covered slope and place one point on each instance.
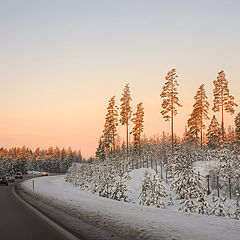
(131, 220)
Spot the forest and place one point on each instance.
(53, 160)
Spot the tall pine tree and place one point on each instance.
(199, 113)
(170, 99)
(138, 125)
(222, 99)
(111, 123)
(126, 110)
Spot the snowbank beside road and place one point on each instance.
(130, 220)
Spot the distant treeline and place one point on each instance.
(54, 160)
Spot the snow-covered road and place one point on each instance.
(128, 220)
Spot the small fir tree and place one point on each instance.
(153, 191)
(213, 134)
(100, 153)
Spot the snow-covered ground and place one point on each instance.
(131, 220)
(36, 173)
(205, 167)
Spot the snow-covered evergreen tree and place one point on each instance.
(100, 152)
(153, 191)
(201, 205)
(237, 128)
(213, 134)
(221, 207)
(186, 184)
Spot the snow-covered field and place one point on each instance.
(129, 220)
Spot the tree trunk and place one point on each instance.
(172, 130)
(201, 128)
(201, 124)
(127, 135)
(114, 148)
(172, 115)
(222, 122)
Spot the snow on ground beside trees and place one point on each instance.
(205, 167)
(36, 173)
(131, 220)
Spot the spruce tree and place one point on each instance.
(230, 136)
(126, 110)
(213, 133)
(100, 153)
(199, 113)
(138, 125)
(222, 99)
(237, 128)
(170, 99)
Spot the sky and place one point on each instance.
(62, 60)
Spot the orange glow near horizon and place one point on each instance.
(60, 63)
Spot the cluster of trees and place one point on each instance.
(24, 159)
(215, 136)
(223, 102)
(107, 141)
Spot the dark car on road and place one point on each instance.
(18, 175)
(3, 179)
(10, 177)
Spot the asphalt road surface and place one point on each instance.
(19, 222)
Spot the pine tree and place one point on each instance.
(110, 126)
(170, 99)
(237, 128)
(222, 99)
(199, 113)
(126, 110)
(213, 133)
(113, 120)
(138, 125)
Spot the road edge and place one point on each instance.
(68, 235)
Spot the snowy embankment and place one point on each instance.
(129, 220)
